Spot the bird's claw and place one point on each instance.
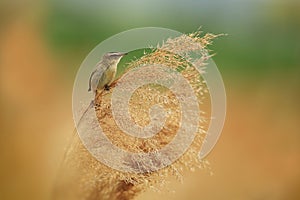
(106, 87)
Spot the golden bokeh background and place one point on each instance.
(42, 45)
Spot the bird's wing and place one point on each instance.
(90, 80)
(99, 71)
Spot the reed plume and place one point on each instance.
(84, 177)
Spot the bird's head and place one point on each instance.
(113, 57)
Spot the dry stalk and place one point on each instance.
(83, 177)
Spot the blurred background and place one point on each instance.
(42, 44)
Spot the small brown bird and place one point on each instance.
(105, 71)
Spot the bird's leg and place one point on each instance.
(106, 87)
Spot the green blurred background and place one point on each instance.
(42, 44)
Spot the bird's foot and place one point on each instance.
(106, 87)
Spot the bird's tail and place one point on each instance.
(86, 110)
